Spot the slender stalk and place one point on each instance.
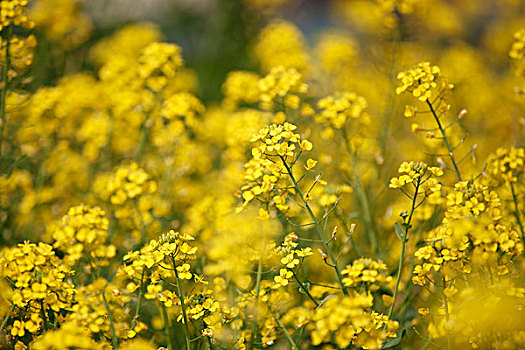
(517, 211)
(361, 194)
(403, 248)
(182, 304)
(139, 301)
(397, 39)
(3, 94)
(317, 225)
(305, 290)
(6, 318)
(96, 274)
(450, 151)
(143, 235)
(257, 291)
(114, 337)
(143, 138)
(447, 313)
(208, 339)
(167, 327)
(43, 313)
(285, 331)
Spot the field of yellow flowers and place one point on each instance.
(353, 185)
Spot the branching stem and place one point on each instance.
(318, 228)
(450, 151)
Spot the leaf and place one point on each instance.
(400, 232)
(392, 343)
(325, 299)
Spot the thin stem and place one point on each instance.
(361, 195)
(5, 78)
(111, 323)
(257, 291)
(43, 313)
(96, 274)
(323, 285)
(450, 151)
(143, 235)
(317, 226)
(144, 131)
(139, 301)
(517, 211)
(305, 289)
(6, 318)
(210, 344)
(182, 304)
(167, 326)
(403, 248)
(285, 331)
(447, 313)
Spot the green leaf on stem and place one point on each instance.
(400, 232)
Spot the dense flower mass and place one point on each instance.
(419, 80)
(227, 179)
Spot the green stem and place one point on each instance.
(5, 78)
(6, 318)
(447, 314)
(403, 248)
(450, 151)
(96, 274)
(361, 194)
(182, 304)
(286, 334)
(318, 228)
(139, 301)
(208, 339)
(397, 39)
(43, 313)
(167, 327)
(114, 337)
(143, 235)
(517, 211)
(305, 290)
(144, 131)
(257, 291)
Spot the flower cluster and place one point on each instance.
(367, 272)
(471, 198)
(94, 302)
(241, 87)
(290, 258)
(281, 88)
(14, 19)
(336, 52)
(203, 306)
(14, 12)
(507, 164)
(42, 287)
(129, 189)
(69, 336)
(335, 110)
(62, 22)
(420, 175)
(158, 64)
(276, 146)
(83, 232)
(171, 247)
(348, 319)
(21, 52)
(281, 43)
(517, 50)
(419, 81)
